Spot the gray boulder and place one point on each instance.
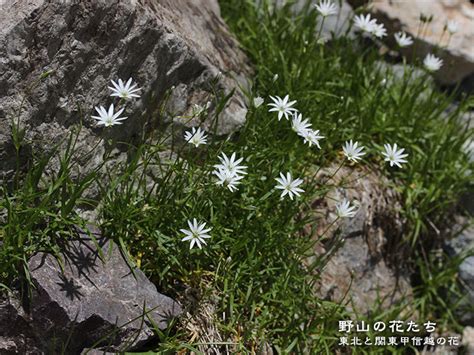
(178, 46)
(92, 297)
(359, 272)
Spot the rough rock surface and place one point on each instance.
(16, 333)
(161, 44)
(95, 297)
(456, 50)
(358, 272)
(463, 245)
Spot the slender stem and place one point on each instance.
(321, 28)
(335, 172)
(356, 179)
(328, 227)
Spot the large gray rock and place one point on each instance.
(359, 272)
(162, 44)
(94, 298)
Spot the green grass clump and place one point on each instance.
(255, 270)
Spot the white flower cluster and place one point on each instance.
(124, 91)
(229, 172)
(352, 150)
(304, 130)
(368, 25)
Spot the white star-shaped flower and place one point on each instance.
(289, 185)
(344, 209)
(196, 233)
(298, 124)
(195, 137)
(227, 179)
(365, 23)
(231, 164)
(326, 8)
(282, 106)
(108, 118)
(352, 151)
(125, 91)
(378, 30)
(311, 137)
(394, 155)
(403, 40)
(432, 63)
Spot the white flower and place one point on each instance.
(352, 151)
(365, 24)
(257, 102)
(232, 165)
(198, 110)
(229, 172)
(326, 8)
(452, 26)
(432, 63)
(275, 77)
(288, 185)
(195, 136)
(394, 156)
(124, 91)
(282, 106)
(344, 209)
(298, 124)
(196, 233)
(311, 137)
(108, 118)
(403, 40)
(227, 179)
(378, 30)
(369, 25)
